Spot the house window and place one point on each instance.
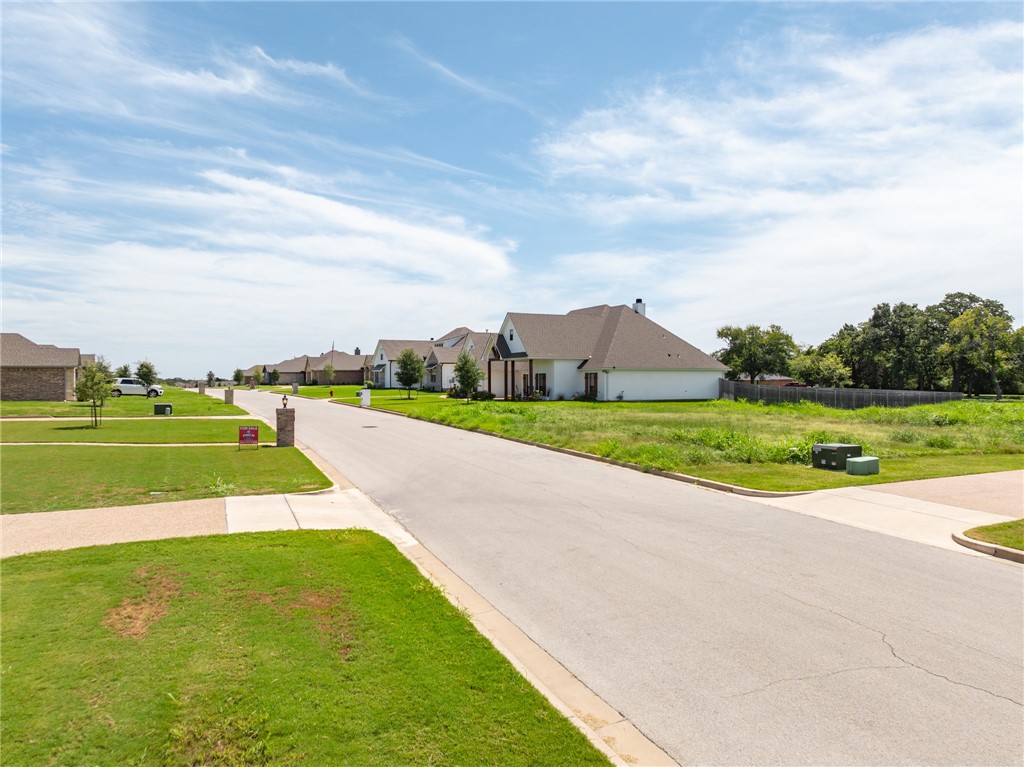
(590, 383)
(510, 334)
(433, 378)
(382, 356)
(541, 383)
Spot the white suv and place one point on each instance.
(135, 386)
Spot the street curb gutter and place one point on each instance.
(992, 549)
(608, 730)
(698, 481)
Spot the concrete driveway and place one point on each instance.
(729, 631)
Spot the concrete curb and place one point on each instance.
(992, 549)
(710, 484)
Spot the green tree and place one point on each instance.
(754, 351)
(467, 373)
(817, 369)
(93, 386)
(238, 376)
(982, 338)
(328, 374)
(274, 377)
(211, 377)
(410, 370)
(949, 352)
(124, 371)
(145, 371)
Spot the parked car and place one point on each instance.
(135, 386)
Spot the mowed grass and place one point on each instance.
(752, 444)
(186, 403)
(55, 477)
(136, 431)
(350, 394)
(1009, 534)
(298, 648)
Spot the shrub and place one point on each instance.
(482, 395)
(367, 384)
(584, 397)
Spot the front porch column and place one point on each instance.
(531, 377)
(489, 376)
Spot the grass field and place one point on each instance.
(751, 444)
(1009, 534)
(312, 648)
(137, 431)
(54, 477)
(186, 403)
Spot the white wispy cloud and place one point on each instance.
(850, 175)
(462, 81)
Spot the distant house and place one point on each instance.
(348, 368)
(30, 371)
(609, 352)
(445, 353)
(290, 371)
(384, 360)
(257, 375)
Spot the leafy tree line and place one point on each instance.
(145, 371)
(962, 343)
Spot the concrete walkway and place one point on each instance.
(926, 511)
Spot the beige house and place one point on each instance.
(30, 371)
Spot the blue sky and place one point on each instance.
(212, 185)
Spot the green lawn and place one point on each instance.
(1009, 534)
(752, 444)
(186, 403)
(137, 431)
(53, 477)
(349, 393)
(308, 647)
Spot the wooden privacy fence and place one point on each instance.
(848, 399)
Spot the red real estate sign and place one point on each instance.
(249, 435)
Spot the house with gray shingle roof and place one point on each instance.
(348, 368)
(384, 360)
(31, 371)
(442, 358)
(610, 352)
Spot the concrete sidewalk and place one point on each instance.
(911, 510)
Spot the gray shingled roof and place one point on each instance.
(392, 348)
(340, 360)
(294, 365)
(608, 337)
(16, 351)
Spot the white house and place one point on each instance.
(445, 353)
(611, 352)
(384, 360)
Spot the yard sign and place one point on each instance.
(249, 435)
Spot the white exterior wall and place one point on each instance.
(565, 379)
(514, 345)
(658, 384)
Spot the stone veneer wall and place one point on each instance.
(285, 427)
(23, 384)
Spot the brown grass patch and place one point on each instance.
(134, 617)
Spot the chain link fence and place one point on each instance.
(848, 399)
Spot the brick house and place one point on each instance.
(31, 371)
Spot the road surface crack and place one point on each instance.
(892, 650)
(812, 676)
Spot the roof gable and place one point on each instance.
(605, 337)
(18, 351)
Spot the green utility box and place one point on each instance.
(865, 464)
(162, 409)
(833, 455)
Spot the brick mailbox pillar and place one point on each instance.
(202, 388)
(229, 396)
(285, 427)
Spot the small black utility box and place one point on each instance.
(833, 455)
(166, 410)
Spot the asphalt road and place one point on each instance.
(729, 632)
